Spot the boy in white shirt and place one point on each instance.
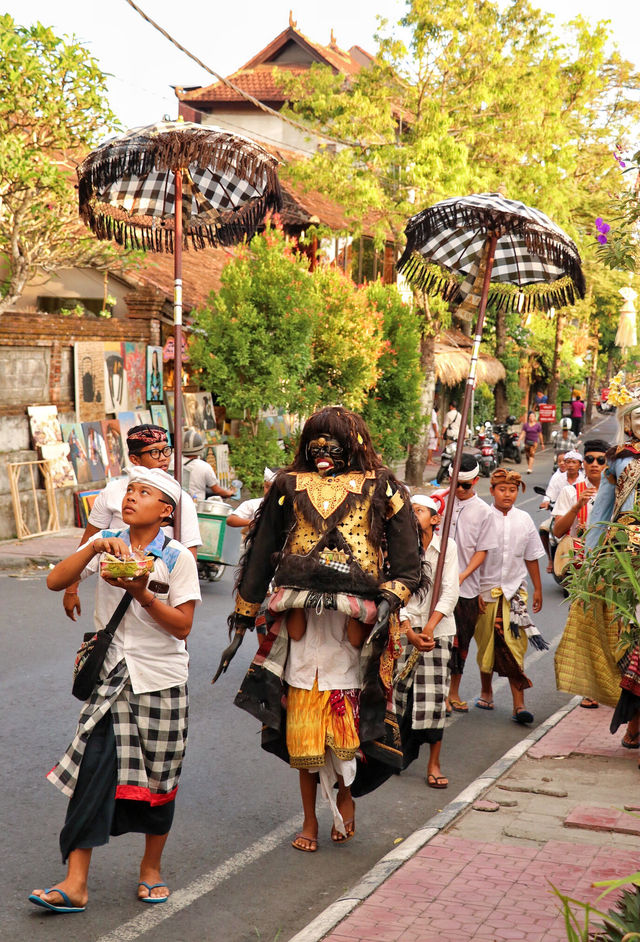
(504, 627)
(424, 667)
(121, 770)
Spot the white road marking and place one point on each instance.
(180, 899)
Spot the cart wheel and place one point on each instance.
(216, 572)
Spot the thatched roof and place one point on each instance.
(453, 358)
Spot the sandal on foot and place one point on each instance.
(630, 740)
(310, 847)
(150, 898)
(483, 704)
(65, 907)
(437, 781)
(522, 716)
(460, 706)
(350, 828)
(588, 704)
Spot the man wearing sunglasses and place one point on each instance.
(148, 447)
(575, 501)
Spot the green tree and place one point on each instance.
(53, 107)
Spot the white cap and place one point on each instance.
(423, 501)
(156, 477)
(268, 475)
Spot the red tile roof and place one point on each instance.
(259, 82)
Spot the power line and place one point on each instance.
(240, 91)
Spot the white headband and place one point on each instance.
(423, 501)
(268, 475)
(468, 475)
(156, 477)
(572, 456)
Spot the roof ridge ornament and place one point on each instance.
(292, 23)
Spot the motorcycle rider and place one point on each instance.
(564, 440)
(570, 473)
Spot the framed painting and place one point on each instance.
(88, 364)
(135, 368)
(96, 450)
(113, 444)
(72, 434)
(115, 379)
(155, 390)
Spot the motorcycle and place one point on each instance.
(490, 455)
(508, 440)
(560, 566)
(446, 460)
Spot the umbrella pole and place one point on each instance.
(177, 340)
(446, 523)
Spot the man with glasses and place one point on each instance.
(574, 503)
(474, 532)
(148, 447)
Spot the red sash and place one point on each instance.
(583, 513)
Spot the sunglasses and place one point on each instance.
(589, 459)
(155, 453)
(465, 485)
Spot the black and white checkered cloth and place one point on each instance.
(151, 737)
(430, 680)
(531, 250)
(229, 182)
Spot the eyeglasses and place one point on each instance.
(155, 453)
(589, 459)
(465, 485)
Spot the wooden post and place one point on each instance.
(177, 339)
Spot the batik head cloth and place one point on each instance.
(506, 476)
(141, 436)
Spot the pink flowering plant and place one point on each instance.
(617, 235)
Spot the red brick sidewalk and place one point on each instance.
(488, 877)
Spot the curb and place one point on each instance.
(10, 563)
(329, 918)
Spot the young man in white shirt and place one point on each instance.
(245, 512)
(122, 769)
(197, 474)
(147, 447)
(504, 626)
(451, 425)
(570, 472)
(423, 669)
(574, 503)
(474, 533)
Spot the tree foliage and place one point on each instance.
(53, 106)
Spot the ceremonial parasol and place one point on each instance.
(173, 183)
(485, 247)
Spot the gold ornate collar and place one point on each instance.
(327, 494)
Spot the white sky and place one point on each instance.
(144, 65)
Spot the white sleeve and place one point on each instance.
(450, 590)
(488, 535)
(189, 528)
(533, 548)
(100, 515)
(555, 485)
(566, 500)
(184, 585)
(210, 475)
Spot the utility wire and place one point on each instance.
(240, 91)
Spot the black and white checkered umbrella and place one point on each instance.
(126, 186)
(536, 264)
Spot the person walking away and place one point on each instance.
(473, 531)
(451, 426)
(424, 667)
(577, 414)
(434, 432)
(571, 516)
(122, 769)
(531, 435)
(197, 474)
(504, 627)
(569, 472)
(147, 447)
(244, 514)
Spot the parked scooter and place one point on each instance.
(490, 455)
(508, 440)
(446, 460)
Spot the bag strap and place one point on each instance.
(118, 615)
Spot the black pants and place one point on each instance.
(94, 812)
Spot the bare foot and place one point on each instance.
(153, 878)
(77, 893)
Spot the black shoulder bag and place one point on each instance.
(93, 650)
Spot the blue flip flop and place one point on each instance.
(65, 907)
(522, 716)
(153, 899)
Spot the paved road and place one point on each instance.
(228, 860)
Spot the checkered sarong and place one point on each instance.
(430, 681)
(151, 737)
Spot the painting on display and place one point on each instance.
(143, 417)
(127, 420)
(155, 391)
(113, 444)
(84, 503)
(135, 368)
(96, 450)
(159, 415)
(192, 412)
(72, 434)
(115, 379)
(169, 398)
(47, 437)
(206, 411)
(88, 364)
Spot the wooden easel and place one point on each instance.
(14, 470)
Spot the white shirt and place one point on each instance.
(518, 543)
(155, 659)
(106, 513)
(566, 500)
(197, 475)
(325, 650)
(417, 612)
(248, 508)
(557, 481)
(451, 427)
(473, 529)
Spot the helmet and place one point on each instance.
(565, 423)
(511, 420)
(192, 442)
